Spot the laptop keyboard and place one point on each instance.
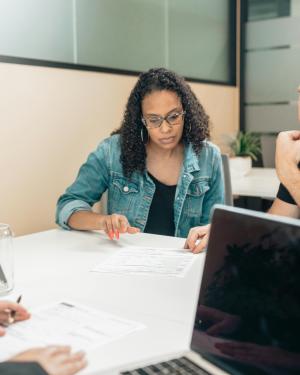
(180, 366)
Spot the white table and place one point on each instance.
(55, 265)
(260, 182)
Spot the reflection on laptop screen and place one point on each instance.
(248, 313)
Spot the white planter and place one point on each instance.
(240, 166)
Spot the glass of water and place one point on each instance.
(6, 260)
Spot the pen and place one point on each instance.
(12, 314)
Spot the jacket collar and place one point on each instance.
(191, 160)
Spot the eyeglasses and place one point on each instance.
(174, 118)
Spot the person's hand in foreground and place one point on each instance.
(115, 224)
(55, 360)
(197, 239)
(6, 308)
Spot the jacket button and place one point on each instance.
(125, 189)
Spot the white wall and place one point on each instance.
(295, 8)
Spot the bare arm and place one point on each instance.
(293, 186)
(282, 208)
(86, 220)
(287, 159)
(113, 224)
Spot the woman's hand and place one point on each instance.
(115, 224)
(197, 239)
(6, 308)
(55, 360)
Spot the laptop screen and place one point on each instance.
(248, 313)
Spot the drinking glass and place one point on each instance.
(6, 259)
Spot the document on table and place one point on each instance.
(65, 323)
(148, 261)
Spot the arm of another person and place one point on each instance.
(287, 159)
(282, 208)
(214, 195)
(21, 368)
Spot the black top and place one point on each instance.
(284, 195)
(161, 213)
(21, 368)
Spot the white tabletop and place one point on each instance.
(55, 265)
(260, 182)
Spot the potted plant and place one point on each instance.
(245, 148)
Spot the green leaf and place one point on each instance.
(246, 144)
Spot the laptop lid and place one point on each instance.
(248, 312)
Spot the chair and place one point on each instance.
(227, 180)
(268, 146)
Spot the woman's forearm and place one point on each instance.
(86, 220)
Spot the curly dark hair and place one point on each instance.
(196, 121)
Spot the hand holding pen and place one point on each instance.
(54, 359)
(11, 312)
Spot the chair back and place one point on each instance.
(268, 146)
(227, 180)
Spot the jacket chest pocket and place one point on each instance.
(122, 196)
(195, 196)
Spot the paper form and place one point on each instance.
(65, 323)
(148, 261)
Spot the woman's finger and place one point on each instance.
(58, 349)
(74, 365)
(191, 240)
(109, 227)
(201, 245)
(6, 307)
(195, 234)
(132, 230)
(115, 220)
(123, 223)
(78, 356)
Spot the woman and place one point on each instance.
(161, 173)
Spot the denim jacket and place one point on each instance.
(199, 187)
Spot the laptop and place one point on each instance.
(247, 319)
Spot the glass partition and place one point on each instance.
(196, 38)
